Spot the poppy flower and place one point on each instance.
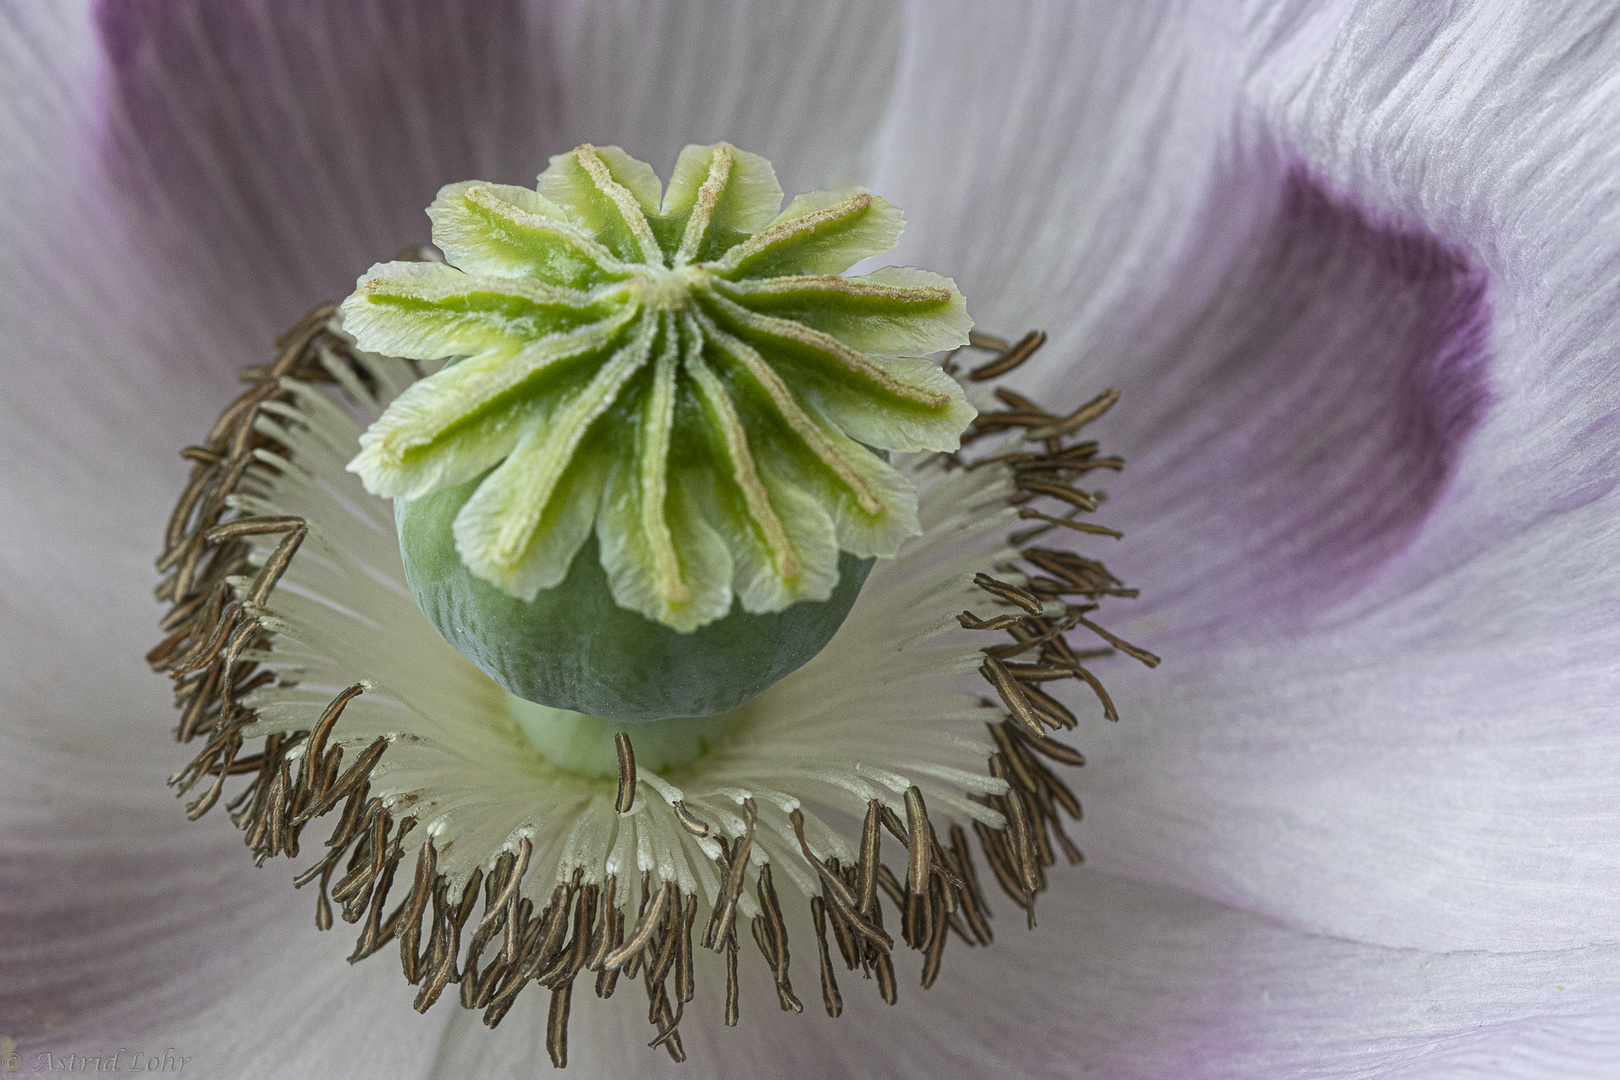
(1351, 269)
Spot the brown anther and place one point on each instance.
(1009, 593)
(936, 936)
(974, 909)
(606, 939)
(831, 999)
(919, 867)
(887, 987)
(355, 775)
(1011, 357)
(871, 840)
(1012, 695)
(685, 984)
(690, 823)
(733, 992)
(1033, 485)
(776, 931)
(1052, 711)
(971, 621)
(839, 893)
(1076, 420)
(557, 1025)
(315, 748)
(627, 773)
(644, 929)
(1121, 644)
(498, 906)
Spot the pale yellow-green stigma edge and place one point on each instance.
(683, 373)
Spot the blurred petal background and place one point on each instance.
(1356, 268)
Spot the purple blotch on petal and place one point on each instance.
(101, 946)
(268, 152)
(1313, 415)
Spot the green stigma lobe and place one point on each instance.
(681, 376)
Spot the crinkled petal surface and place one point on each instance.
(1353, 267)
(1395, 725)
(1157, 983)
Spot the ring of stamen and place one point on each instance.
(617, 886)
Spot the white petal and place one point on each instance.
(802, 85)
(1121, 980)
(1366, 333)
(1551, 318)
(304, 1012)
(1055, 159)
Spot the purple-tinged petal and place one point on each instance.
(1355, 273)
(1124, 980)
(193, 954)
(83, 312)
(801, 84)
(298, 1010)
(266, 153)
(1296, 432)
(1057, 160)
(98, 946)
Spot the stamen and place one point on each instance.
(770, 933)
(645, 925)
(1011, 357)
(1012, 594)
(691, 824)
(830, 997)
(627, 773)
(253, 568)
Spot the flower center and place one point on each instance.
(672, 446)
(434, 808)
(585, 745)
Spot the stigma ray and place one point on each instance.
(545, 308)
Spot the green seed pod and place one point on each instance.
(665, 427)
(572, 647)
